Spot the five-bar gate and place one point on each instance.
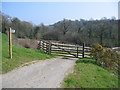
(66, 50)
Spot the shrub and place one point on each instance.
(97, 52)
(28, 43)
(105, 57)
(109, 59)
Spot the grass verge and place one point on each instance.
(88, 74)
(20, 55)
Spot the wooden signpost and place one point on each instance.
(10, 41)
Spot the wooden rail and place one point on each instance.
(64, 49)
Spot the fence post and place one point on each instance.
(83, 50)
(40, 44)
(49, 48)
(43, 45)
(77, 51)
(10, 43)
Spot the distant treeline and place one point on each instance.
(104, 31)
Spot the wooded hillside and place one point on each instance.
(104, 31)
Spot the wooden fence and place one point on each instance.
(45, 46)
(66, 50)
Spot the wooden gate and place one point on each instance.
(66, 50)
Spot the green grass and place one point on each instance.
(20, 55)
(59, 53)
(88, 74)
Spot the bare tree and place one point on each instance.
(101, 28)
(64, 26)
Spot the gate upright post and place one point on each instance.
(83, 50)
(49, 49)
(77, 51)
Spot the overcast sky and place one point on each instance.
(51, 12)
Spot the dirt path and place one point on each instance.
(43, 74)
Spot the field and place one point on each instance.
(87, 74)
(20, 55)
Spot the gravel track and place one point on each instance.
(43, 74)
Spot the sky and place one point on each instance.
(52, 12)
